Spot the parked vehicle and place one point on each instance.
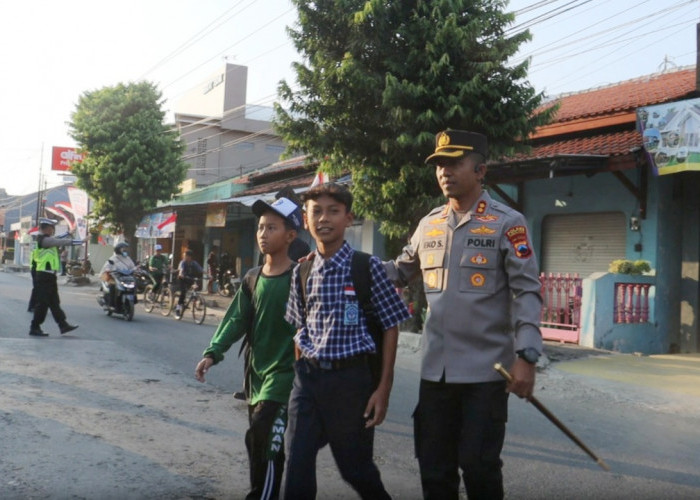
(124, 297)
(143, 277)
(229, 283)
(79, 271)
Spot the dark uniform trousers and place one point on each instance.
(327, 406)
(461, 426)
(46, 287)
(265, 470)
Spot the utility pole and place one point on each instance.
(38, 193)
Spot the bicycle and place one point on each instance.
(199, 307)
(162, 299)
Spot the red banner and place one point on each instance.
(63, 158)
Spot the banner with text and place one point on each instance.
(671, 135)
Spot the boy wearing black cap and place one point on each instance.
(481, 282)
(258, 315)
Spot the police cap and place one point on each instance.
(458, 143)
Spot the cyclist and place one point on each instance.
(188, 272)
(157, 265)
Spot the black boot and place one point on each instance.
(37, 332)
(65, 328)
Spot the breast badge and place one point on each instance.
(478, 279)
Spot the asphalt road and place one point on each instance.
(649, 438)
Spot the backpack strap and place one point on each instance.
(304, 271)
(250, 281)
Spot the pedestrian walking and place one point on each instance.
(213, 269)
(257, 315)
(64, 260)
(481, 282)
(334, 399)
(46, 286)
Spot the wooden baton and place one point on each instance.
(536, 403)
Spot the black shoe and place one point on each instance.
(68, 328)
(30, 310)
(37, 332)
(239, 395)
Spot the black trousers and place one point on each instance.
(264, 441)
(461, 426)
(46, 287)
(326, 407)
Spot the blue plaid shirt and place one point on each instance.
(333, 325)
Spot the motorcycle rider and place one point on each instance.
(119, 262)
(188, 271)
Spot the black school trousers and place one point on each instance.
(326, 407)
(461, 426)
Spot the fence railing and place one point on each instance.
(561, 306)
(631, 303)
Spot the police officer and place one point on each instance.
(481, 282)
(46, 286)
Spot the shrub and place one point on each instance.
(624, 266)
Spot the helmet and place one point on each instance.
(43, 221)
(119, 246)
(158, 247)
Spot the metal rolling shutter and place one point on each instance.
(582, 243)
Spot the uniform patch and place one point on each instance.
(517, 235)
(481, 242)
(430, 260)
(435, 222)
(434, 232)
(432, 244)
(479, 259)
(351, 314)
(487, 218)
(431, 279)
(481, 207)
(478, 279)
(482, 230)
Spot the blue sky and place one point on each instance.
(51, 52)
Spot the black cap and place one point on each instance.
(458, 143)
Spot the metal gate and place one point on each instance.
(561, 307)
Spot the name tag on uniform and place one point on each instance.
(351, 314)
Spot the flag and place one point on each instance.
(321, 178)
(168, 225)
(33, 231)
(101, 240)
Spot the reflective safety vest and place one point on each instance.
(46, 258)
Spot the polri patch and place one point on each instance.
(482, 230)
(517, 235)
(486, 218)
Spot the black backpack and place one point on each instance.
(362, 281)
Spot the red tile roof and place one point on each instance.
(610, 144)
(626, 96)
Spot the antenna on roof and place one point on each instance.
(667, 64)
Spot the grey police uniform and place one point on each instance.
(475, 270)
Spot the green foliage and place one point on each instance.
(624, 266)
(133, 159)
(380, 78)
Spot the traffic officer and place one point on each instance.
(46, 286)
(480, 278)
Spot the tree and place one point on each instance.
(381, 77)
(133, 159)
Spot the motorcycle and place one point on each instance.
(229, 283)
(143, 277)
(124, 295)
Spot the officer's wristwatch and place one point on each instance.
(529, 354)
